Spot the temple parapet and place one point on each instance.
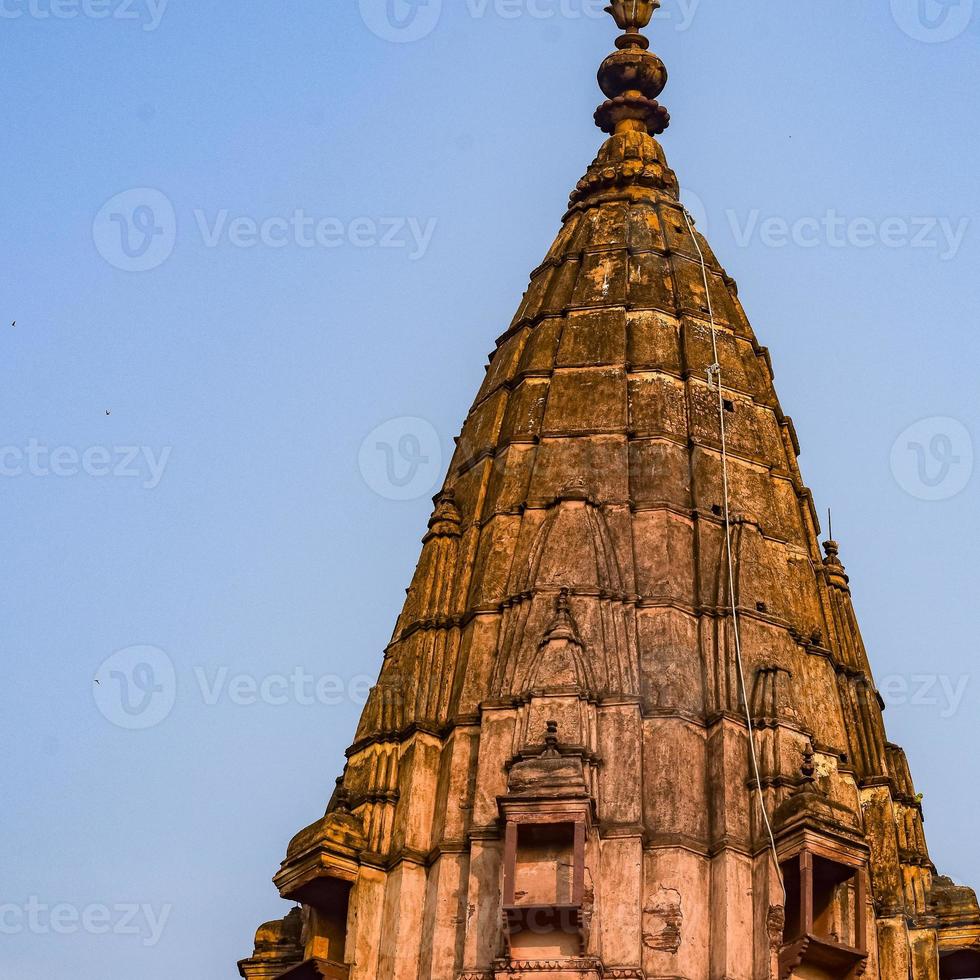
(278, 948)
(959, 929)
(321, 870)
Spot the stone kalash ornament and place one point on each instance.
(552, 778)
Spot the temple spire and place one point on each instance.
(556, 745)
(632, 77)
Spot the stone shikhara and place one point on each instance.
(553, 776)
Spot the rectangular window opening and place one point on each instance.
(331, 907)
(832, 901)
(545, 870)
(826, 925)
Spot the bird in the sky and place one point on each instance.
(97, 681)
(14, 324)
(108, 412)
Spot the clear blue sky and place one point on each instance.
(252, 536)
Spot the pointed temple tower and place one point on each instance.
(626, 725)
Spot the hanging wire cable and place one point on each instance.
(715, 380)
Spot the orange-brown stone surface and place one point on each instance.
(552, 777)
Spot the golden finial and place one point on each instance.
(633, 15)
(632, 77)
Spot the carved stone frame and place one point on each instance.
(527, 813)
(809, 947)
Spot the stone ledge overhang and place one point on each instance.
(848, 850)
(956, 937)
(549, 777)
(329, 848)
(546, 808)
(278, 947)
(826, 826)
(841, 961)
(544, 970)
(265, 967)
(584, 967)
(959, 929)
(315, 969)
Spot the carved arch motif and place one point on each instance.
(572, 553)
